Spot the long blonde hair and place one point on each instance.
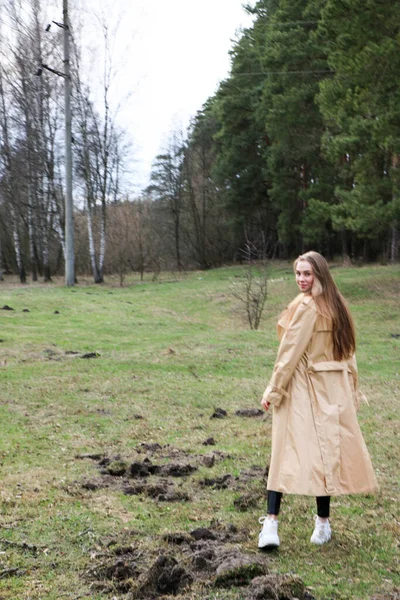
(331, 304)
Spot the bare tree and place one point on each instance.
(34, 125)
(252, 290)
(167, 186)
(99, 149)
(205, 219)
(10, 179)
(120, 239)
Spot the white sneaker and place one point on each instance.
(322, 532)
(268, 537)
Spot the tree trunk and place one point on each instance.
(177, 246)
(394, 244)
(46, 259)
(1, 263)
(353, 246)
(17, 248)
(60, 257)
(31, 234)
(345, 247)
(57, 224)
(365, 250)
(102, 253)
(48, 226)
(92, 249)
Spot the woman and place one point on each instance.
(317, 446)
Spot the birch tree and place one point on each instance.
(99, 152)
(11, 195)
(35, 124)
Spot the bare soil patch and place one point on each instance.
(142, 475)
(163, 482)
(184, 563)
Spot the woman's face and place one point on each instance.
(304, 276)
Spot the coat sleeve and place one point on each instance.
(357, 393)
(292, 347)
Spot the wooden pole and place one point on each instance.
(69, 213)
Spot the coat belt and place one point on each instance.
(327, 365)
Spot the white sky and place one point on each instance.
(170, 56)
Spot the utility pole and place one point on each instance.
(69, 214)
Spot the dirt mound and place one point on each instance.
(177, 538)
(152, 479)
(166, 576)
(162, 491)
(143, 469)
(218, 483)
(117, 574)
(249, 412)
(247, 500)
(277, 587)
(184, 564)
(237, 569)
(217, 531)
(96, 484)
(88, 354)
(202, 533)
(209, 442)
(148, 448)
(247, 478)
(394, 595)
(117, 468)
(177, 469)
(219, 413)
(119, 570)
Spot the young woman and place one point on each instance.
(317, 446)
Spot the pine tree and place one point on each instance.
(242, 142)
(298, 172)
(360, 105)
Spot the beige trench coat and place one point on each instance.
(317, 445)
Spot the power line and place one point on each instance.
(279, 23)
(272, 23)
(279, 73)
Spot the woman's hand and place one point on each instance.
(265, 404)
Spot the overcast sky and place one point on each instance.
(170, 56)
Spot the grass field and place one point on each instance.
(168, 354)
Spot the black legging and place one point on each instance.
(274, 504)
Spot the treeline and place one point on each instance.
(298, 148)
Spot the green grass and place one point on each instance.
(172, 351)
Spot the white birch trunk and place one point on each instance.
(17, 246)
(102, 242)
(92, 249)
(31, 235)
(46, 237)
(60, 232)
